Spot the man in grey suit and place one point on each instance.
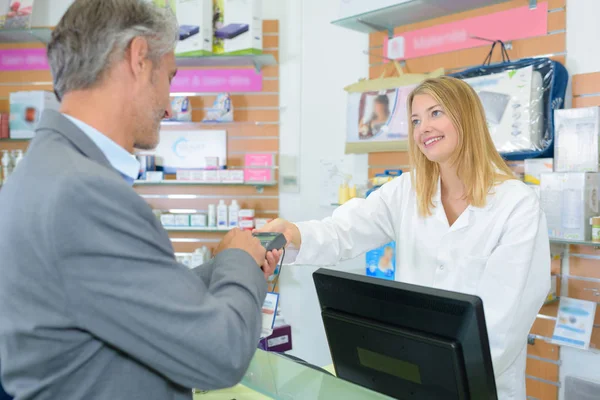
(92, 302)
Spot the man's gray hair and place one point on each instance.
(94, 34)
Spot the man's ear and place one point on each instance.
(138, 56)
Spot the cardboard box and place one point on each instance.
(237, 27)
(26, 109)
(569, 200)
(195, 26)
(576, 143)
(279, 341)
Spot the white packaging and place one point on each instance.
(195, 27)
(222, 215)
(26, 109)
(534, 167)
(569, 200)
(234, 211)
(247, 213)
(513, 104)
(211, 162)
(576, 144)
(154, 176)
(237, 27)
(211, 176)
(246, 224)
(182, 220)
(167, 219)
(198, 176)
(187, 149)
(212, 216)
(183, 175)
(199, 220)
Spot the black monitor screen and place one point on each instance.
(406, 341)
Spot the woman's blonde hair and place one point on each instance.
(479, 165)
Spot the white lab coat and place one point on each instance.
(500, 252)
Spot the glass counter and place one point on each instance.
(272, 376)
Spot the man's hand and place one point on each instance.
(271, 262)
(243, 240)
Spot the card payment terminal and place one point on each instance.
(271, 240)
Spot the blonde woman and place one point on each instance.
(460, 220)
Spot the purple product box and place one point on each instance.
(279, 341)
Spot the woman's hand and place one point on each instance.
(289, 230)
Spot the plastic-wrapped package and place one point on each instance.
(577, 145)
(519, 98)
(180, 106)
(221, 111)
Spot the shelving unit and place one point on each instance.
(258, 61)
(575, 242)
(32, 35)
(255, 130)
(409, 12)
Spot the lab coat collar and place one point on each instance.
(437, 199)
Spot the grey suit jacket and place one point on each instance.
(93, 304)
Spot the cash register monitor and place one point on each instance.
(406, 341)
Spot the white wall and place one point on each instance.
(319, 60)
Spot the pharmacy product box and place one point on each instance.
(534, 167)
(259, 160)
(182, 220)
(167, 219)
(237, 27)
(258, 175)
(279, 341)
(576, 144)
(569, 200)
(381, 262)
(26, 109)
(195, 26)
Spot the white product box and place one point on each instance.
(534, 167)
(198, 220)
(195, 26)
(569, 200)
(183, 149)
(237, 27)
(167, 219)
(231, 176)
(182, 220)
(576, 144)
(26, 109)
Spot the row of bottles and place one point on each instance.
(8, 163)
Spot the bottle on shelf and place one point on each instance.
(212, 216)
(6, 165)
(234, 211)
(222, 215)
(18, 157)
